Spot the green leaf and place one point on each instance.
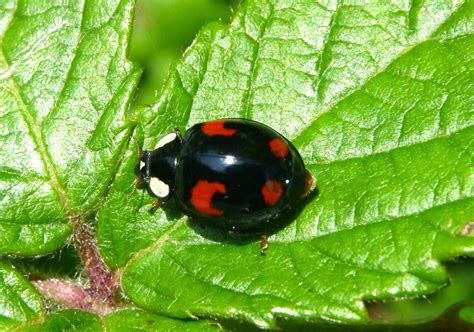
(65, 86)
(440, 307)
(467, 313)
(378, 98)
(131, 320)
(19, 300)
(123, 320)
(67, 320)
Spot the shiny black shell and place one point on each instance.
(236, 174)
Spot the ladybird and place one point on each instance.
(235, 174)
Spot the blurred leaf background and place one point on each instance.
(162, 31)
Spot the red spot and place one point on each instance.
(217, 128)
(272, 191)
(278, 147)
(201, 196)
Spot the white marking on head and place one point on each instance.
(158, 187)
(165, 140)
(229, 160)
(142, 164)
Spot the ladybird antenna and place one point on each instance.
(138, 181)
(138, 145)
(178, 134)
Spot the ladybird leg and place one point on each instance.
(263, 244)
(138, 183)
(155, 206)
(140, 150)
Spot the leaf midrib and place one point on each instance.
(37, 136)
(248, 93)
(33, 127)
(55, 107)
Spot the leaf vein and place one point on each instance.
(389, 151)
(39, 141)
(299, 140)
(67, 78)
(246, 99)
(321, 65)
(414, 214)
(361, 267)
(209, 283)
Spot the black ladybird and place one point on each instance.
(236, 174)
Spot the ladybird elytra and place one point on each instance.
(235, 174)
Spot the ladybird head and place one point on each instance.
(157, 167)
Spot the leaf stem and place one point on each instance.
(99, 298)
(102, 283)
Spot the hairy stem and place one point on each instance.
(102, 283)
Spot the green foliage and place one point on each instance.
(378, 98)
(123, 320)
(68, 320)
(65, 88)
(130, 320)
(467, 314)
(19, 300)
